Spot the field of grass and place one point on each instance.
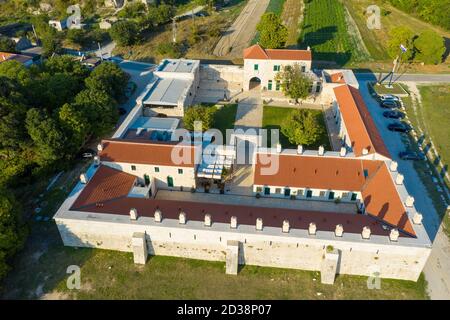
(326, 30)
(292, 15)
(273, 117)
(276, 6)
(396, 89)
(376, 40)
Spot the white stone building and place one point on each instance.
(262, 65)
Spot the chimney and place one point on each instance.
(312, 228)
(393, 166)
(100, 147)
(96, 161)
(133, 214)
(83, 178)
(309, 48)
(343, 152)
(339, 231)
(207, 220)
(393, 236)
(365, 151)
(182, 218)
(259, 224)
(233, 222)
(278, 148)
(158, 215)
(417, 219)
(285, 228)
(321, 150)
(365, 233)
(409, 202)
(399, 179)
(299, 149)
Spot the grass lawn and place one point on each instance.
(274, 116)
(396, 89)
(326, 29)
(224, 117)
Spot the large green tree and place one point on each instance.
(110, 78)
(401, 36)
(272, 33)
(430, 47)
(294, 82)
(12, 230)
(7, 44)
(302, 127)
(199, 113)
(124, 33)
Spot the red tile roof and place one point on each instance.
(257, 52)
(96, 197)
(370, 177)
(6, 56)
(337, 78)
(139, 152)
(360, 127)
(317, 172)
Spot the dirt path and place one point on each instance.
(292, 17)
(242, 31)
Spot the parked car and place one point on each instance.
(411, 155)
(389, 104)
(385, 97)
(393, 114)
(86, 153)
(399, 127)
(122, 111)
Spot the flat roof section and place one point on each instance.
(155, 123)
(177, 65)
(166, 91)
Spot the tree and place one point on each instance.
(199, 113)
(12, 230)
(430, 47)
(76, 36)
(110, 78)
(7, 45)
(125, 33)
(302, 127)
(401, 36)
(160, 14)
(75, 126)
(272, 33)
(294, 82)
(99, 109)
(16, 71)
(49, 139)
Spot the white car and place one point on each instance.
(389, 97)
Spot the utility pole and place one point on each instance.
(397, 61)
(174, 30)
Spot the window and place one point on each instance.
(277, 86)
(180, 171)
(258, 189)
(278, 190)
(255, 67)
(354, 195)
(169, 181)
(344, 195)
(331, 195)
(133, 168)
(303, 68)
(156, 169)
(266, 190)
(300, 192)
(276, 68)
(269, 86)
(287, 192)
(309, 193)
(322, 193)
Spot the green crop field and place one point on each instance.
(275, 6)
(326, 30)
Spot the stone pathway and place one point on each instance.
(249, 113)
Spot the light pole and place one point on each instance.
(397, 60)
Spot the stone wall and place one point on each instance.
(269, 247)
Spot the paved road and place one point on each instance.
(241, 33)
(406, 77)
(438, 266)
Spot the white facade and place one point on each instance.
(266, 70)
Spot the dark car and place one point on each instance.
(122, 111)
(399, 127)
(393, 114)
(411, 155)
(389, 104)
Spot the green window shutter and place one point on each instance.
(256, 67)
(269, 86)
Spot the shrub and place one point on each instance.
(169, 49)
